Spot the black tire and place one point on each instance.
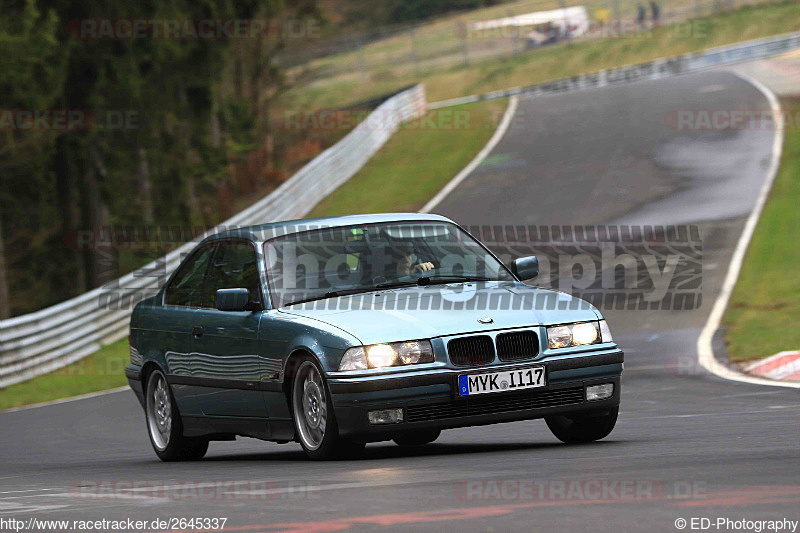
(418, 438)
(584, 428)
(167, 438)
(314, 418)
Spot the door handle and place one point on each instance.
(197, 331)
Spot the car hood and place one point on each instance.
(442, 310)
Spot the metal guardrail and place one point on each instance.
(46, 340)
(659, 68)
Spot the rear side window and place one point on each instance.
(235, 266)
(187, 286)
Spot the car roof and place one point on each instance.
(264, 232)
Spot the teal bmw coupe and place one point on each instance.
(341, 331)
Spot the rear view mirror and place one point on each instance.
(525, 267)
(233, 300)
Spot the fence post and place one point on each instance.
(362, 66)
(462, 30)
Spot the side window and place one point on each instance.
(187, 286)
(234, 266)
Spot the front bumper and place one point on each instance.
(430, 399)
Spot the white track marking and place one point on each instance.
(24, 491)
(456, 181)
(66, 400)
(705, 350)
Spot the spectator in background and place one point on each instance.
(641, 15)
(656, 13)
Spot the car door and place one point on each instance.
(172, 322)
(225, 362)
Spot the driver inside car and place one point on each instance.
(405, 262)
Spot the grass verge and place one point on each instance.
(417, 161)
(555, 62)
(103, 370)
(763, 316)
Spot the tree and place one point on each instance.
(195, 125)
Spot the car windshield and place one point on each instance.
(330, 262)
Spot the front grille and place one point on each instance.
(501, 402)
(517, 345)
(471, 351)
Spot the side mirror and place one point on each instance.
(233, 300)
(525, 268)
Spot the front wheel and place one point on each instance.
(584, 428)
(164, 424)
(314, 419)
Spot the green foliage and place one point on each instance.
(31, 57)
(410, 10)
(196, 108)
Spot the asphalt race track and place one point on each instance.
(687, 444)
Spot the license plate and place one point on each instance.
(509, 380)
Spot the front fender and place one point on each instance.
(292, 333)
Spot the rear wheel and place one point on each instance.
(418, 438)
(314, 419)
(164, 424)
(584, 428)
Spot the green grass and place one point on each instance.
(443, 39)
(550, 63)
(763, 316)
(417, 161)
(103, 370)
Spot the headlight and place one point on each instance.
(605, 332)
(354, 359)
(384, 355)
(379, 355)
(570, 335)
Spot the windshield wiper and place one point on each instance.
(432, 280)
(396, 284)
(305, 300)
(330, 294)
